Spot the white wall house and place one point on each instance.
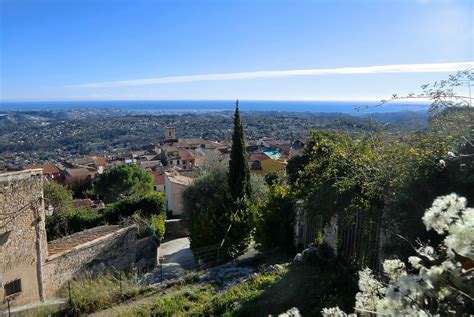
(174, 187)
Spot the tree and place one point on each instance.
(239, 172)
(58, 196)
(123, 181)
(206, 202)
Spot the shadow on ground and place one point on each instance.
(307, 288)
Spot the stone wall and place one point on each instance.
(22, 234)
(116, 250)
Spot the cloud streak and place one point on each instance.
(402, 68)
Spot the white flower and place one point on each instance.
(427, 252)
(444, 212)
(415, 262)
(394, 269)
(333, 312)
(461, 236)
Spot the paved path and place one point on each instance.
(177, 251)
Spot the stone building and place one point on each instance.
(32, 269)
(23, 245)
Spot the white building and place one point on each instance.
(174, 187)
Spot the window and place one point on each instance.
(13, 287)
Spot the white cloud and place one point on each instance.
(402, 68)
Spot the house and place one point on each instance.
(186, 159)
(297, 147)
(159, 180)
(51, 171)
(23, 245)
(266, 162)
(78, 175)
(175, 184)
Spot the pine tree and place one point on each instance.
(239, 173)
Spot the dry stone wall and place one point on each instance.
(112, 252)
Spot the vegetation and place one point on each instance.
(218, 201)
(275, 220)
(123, 181)
(436, 281)
(239, 173)
(92, 293)
(150, 204)
(74, 220)
(151, 207)
(58, 196)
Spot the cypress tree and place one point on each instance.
(239, 173)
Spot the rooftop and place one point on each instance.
(68, 243)
(179, 179)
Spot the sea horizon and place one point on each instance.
(180, 106)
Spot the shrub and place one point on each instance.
(69, 222)
(157, 224)
(151, 204)
(58, 196)
(275, 218)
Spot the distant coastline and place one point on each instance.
(187, 106)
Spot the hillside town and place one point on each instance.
(172, 162)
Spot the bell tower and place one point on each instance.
(170, 133)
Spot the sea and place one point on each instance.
(187, 106)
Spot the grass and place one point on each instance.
(237, 296)
(188, 302)
(203, 300)
(91, 293)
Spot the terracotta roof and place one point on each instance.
(258, 157)
(158, 177)
(179, 179)
(79, 172)
(48, 168)
(76, 239)
(185, 155)
(100, 161)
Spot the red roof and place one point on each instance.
(100, 161)
(185, 155)
(158, 177)
(258, 157)
(48, 168)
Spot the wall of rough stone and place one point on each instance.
(22, 234)
(114, 251)
(146, 253)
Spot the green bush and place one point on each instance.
(151, 204)
(57, 196)
(275, 220)
(157, 224)
(69, 222)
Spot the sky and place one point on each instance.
(223, 49)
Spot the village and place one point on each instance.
(35, 267)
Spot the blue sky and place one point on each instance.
(113, 50)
